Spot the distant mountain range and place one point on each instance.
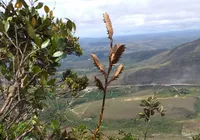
(143, 42)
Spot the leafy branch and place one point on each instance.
(150, 107)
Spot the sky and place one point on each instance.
(128, 16)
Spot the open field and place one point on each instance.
(127, 108)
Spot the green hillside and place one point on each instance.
(179, 65)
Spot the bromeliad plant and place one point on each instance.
(115, 54)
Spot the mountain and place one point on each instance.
(128, 59)
(150, 58)
(142, 42)
(138, 48)
(180, 65)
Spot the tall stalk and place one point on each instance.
(114, 56)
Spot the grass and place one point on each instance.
(158, 125)
(197, 106)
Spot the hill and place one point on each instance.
(179, 65)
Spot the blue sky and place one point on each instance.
(128, 16)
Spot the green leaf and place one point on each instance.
(40, 4)
(36, 69)
(31, 31)
(10, 7)
(60, 43)
(58, 59)
(69, 25)
(51, 82)
(57, 54)
(54, 43)
(1, 27)
(34, 122)
(74, 26)
(69, 33)
(45, 43)
(6, 25)
(38, 41)
(43, 81)
(54, 125)
(24, 3)
(9, 19)
(23, 12)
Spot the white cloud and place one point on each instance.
(129, 16)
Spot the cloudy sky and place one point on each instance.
(129, 16)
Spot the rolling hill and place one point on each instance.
(179, 65)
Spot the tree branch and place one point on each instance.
(25, 133)
(8, 101)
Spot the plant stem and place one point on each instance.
(103, 101)
(101, 114)
(106, 76)
(146, 130)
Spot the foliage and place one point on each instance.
(81, 133)
(150, 107)
(197, 137)
(31, 47)
(74, 83)
(123, 136)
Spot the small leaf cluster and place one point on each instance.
(73, 82)
(115, 54)
(150, 107)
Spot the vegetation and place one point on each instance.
(31, 47)
(151, 106)
(197, 137)
(37, 101)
